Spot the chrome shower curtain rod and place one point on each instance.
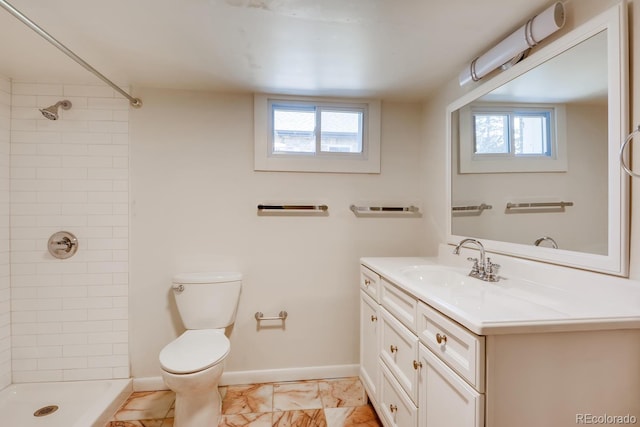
(135, 102)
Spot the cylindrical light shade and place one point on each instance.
(527, 36)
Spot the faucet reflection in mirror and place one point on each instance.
(542, 239)
(483, 269)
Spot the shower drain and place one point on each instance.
(45, 410)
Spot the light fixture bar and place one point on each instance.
(527, 36)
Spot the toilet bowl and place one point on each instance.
(192, 364)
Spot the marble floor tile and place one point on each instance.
(358, 416)
(302, 418)
(136, 423)
(146, 406)
(296, 395)
(343, 392)
(246, 420)
(324, 403)
(248, 399)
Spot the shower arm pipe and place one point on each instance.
(135, 102)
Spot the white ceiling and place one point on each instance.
(400, 49)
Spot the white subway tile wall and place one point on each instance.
(69, 317)
(5, 291)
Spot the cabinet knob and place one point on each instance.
(393, 348)
(393, 408)
(367, 282)
(374, 318)
(441, 338)
(417, 365)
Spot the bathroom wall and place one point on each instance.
(5, 305)
(435, 107)
(194, 198)
(69, 317)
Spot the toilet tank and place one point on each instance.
(207, 300)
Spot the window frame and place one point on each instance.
(472, 162)
(267, 159)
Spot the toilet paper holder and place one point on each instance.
(281, 316)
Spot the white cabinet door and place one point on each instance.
(446, 400)
(369, 345)
(396, 408)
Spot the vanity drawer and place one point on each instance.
(458, 347)
(369, 282)
(399, 351)
(397, 410)
(399, 303)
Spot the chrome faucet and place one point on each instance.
(482, 269)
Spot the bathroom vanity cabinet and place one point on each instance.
(422, 368)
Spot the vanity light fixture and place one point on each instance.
(512, 49)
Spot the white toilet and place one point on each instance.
(192, 363)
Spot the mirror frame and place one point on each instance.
(616, 262)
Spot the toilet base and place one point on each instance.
(201, 410)
(198, 402)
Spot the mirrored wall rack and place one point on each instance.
(537, 206)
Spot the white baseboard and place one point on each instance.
(289, 374)
(262, 376)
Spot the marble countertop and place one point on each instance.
(565, 302)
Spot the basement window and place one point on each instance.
(303, 134)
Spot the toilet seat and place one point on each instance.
(194, 351)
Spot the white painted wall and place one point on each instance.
(194, 198)
(69, 317)
(5, 291)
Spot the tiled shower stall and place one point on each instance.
(68, 318)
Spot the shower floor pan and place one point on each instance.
(79, 403)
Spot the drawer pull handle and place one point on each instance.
(393, 408)
(417, 365)
(441, 338)
(393, 348)
(367, 282)
(374, 318)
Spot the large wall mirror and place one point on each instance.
(533, 153)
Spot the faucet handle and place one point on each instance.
(491, 271)
(476, 270)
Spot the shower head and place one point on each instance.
(51, 113)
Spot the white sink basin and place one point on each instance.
(436, 275)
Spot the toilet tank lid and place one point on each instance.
(207, 277)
